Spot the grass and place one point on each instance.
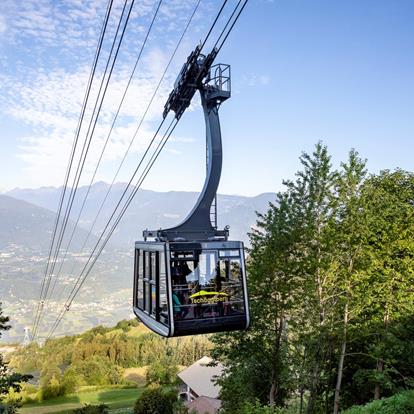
(115, 398)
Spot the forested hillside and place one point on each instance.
(125, 355)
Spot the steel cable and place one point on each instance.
(71, 157)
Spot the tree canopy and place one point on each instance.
(330, 277)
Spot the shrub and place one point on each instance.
(97, 371)
(52, 389)
(7, 408)
(402, 403)
(154, 401)
(70, 381)
(92, 409)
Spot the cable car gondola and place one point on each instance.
(191, 279)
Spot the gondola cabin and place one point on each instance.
(187, 288)
(191, 279)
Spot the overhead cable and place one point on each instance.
(84, 153)
(71, 157)
(136, 132)
(104, 148)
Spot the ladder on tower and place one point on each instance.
(213, 209)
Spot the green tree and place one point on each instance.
(162, 372)
(92, 409)
(257, 362)
(388, 198)
(350, 232)
(8, 380)
(313, 195)
(155, 401)
(289, 282)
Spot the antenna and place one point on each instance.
(27, 337)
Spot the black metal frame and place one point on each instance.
(214, 86)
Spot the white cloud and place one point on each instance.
(254, 80)
(43, 86)
(51, 105)
(3, 25)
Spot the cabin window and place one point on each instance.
(140, 273)
(163, 316)
(152, 284)
(207, 284)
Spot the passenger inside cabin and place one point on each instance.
(179, 272)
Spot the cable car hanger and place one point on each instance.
(190, 279)
(214, 84)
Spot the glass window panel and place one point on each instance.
(147, 294)
(153, 299)
(235, 270)
(163, 316)
(141, 264)
(229, 253)
(140, 298)
(207, 268)
(147, 265)
(207, 288)
(153, 266)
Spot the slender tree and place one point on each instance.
(351, 231)
(312, 193)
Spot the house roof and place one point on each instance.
(204, 405)
(199, 377)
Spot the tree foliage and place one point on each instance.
(330, 276)
(155, 401)
(9, 380)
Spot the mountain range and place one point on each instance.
(149, 209)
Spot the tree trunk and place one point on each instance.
(302, 390)
(314, 383)
(272, 393)
(377, 391)
(275, 385)
(380, 363)
(341, 363)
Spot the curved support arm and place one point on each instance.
(197, 225)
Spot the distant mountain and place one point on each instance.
(28, 226)
(149, 209)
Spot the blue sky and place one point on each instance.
(303, 71)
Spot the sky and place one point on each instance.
(302, 71)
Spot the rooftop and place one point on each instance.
(199, 377)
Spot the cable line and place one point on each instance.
(103, 150)
(136, 132)
(82, 162)
(214, 23)
(228, 22)
(231, 27)
(80, 120)
(78, 285)
(88, 141)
